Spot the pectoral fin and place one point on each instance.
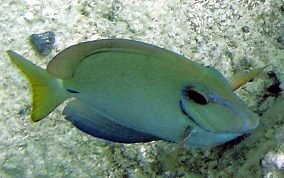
(242, 78)
(170, 161)
(88, 120)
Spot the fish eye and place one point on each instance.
(196, 96)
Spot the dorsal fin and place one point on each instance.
(64, 64)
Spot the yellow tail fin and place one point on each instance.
(48, 91)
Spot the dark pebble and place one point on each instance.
(245, 29)
(274, 89)
(281, 40)
(282, 8)
(43, 43)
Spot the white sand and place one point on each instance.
(209, 32)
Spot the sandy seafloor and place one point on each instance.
(231, 35)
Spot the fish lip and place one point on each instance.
(250, 130)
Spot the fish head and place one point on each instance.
(216, 114)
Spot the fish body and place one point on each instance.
(127, 91)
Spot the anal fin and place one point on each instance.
(88, 120)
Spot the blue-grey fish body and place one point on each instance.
(127, 91)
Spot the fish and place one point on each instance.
(127, 91)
